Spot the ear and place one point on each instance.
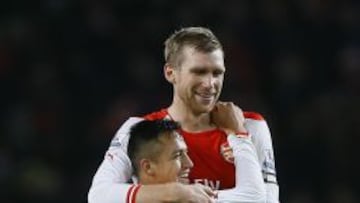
(147, 167)
(169, 73)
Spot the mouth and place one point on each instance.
(183, 177)
(206, 97)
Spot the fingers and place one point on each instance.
(205, 193)
(208, 190)
(228, 117)
(185, 181)
(221, 104)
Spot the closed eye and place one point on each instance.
(204, 71)
(177, 155)
(199, 71)
(217, 73)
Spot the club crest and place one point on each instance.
(226, 152)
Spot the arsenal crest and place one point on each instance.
(226, 152)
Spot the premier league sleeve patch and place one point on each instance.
(268, 167)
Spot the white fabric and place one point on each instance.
(110, 181)
(250, 186)
(261, 138)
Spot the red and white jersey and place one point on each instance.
(208, 151)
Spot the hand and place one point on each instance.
(184, 180)
(196, 193)
(175, 192)
(228, 117)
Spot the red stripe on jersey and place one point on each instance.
(133, 197)
(129, 194)
(253, 115)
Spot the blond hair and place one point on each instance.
(199, 38)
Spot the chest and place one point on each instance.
(211, 167)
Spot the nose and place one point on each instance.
(187, 163)
(209, 81)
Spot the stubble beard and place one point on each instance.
(200, 108)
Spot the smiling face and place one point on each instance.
(172, 163)
(198, 79)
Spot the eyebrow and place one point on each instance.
(181, 150)
(205, 69)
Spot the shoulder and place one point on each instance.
(256, 124)
(122, 134)
(161, 114)
(253, 116)
(126, 126)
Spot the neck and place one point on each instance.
(145, 179)
(190, 121)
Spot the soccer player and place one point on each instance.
(194, 65)
(159, 155)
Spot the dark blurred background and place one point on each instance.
(72, 71)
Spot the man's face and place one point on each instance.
(173, 163)
(199, 79)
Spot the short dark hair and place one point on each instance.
(144, 136)
(199, 38)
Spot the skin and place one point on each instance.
(171, 165)
(197, 84)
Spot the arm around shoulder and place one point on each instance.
(175, 192)
(262, 140)
(110, 183)
(249, 184)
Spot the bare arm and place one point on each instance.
(175, 192)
